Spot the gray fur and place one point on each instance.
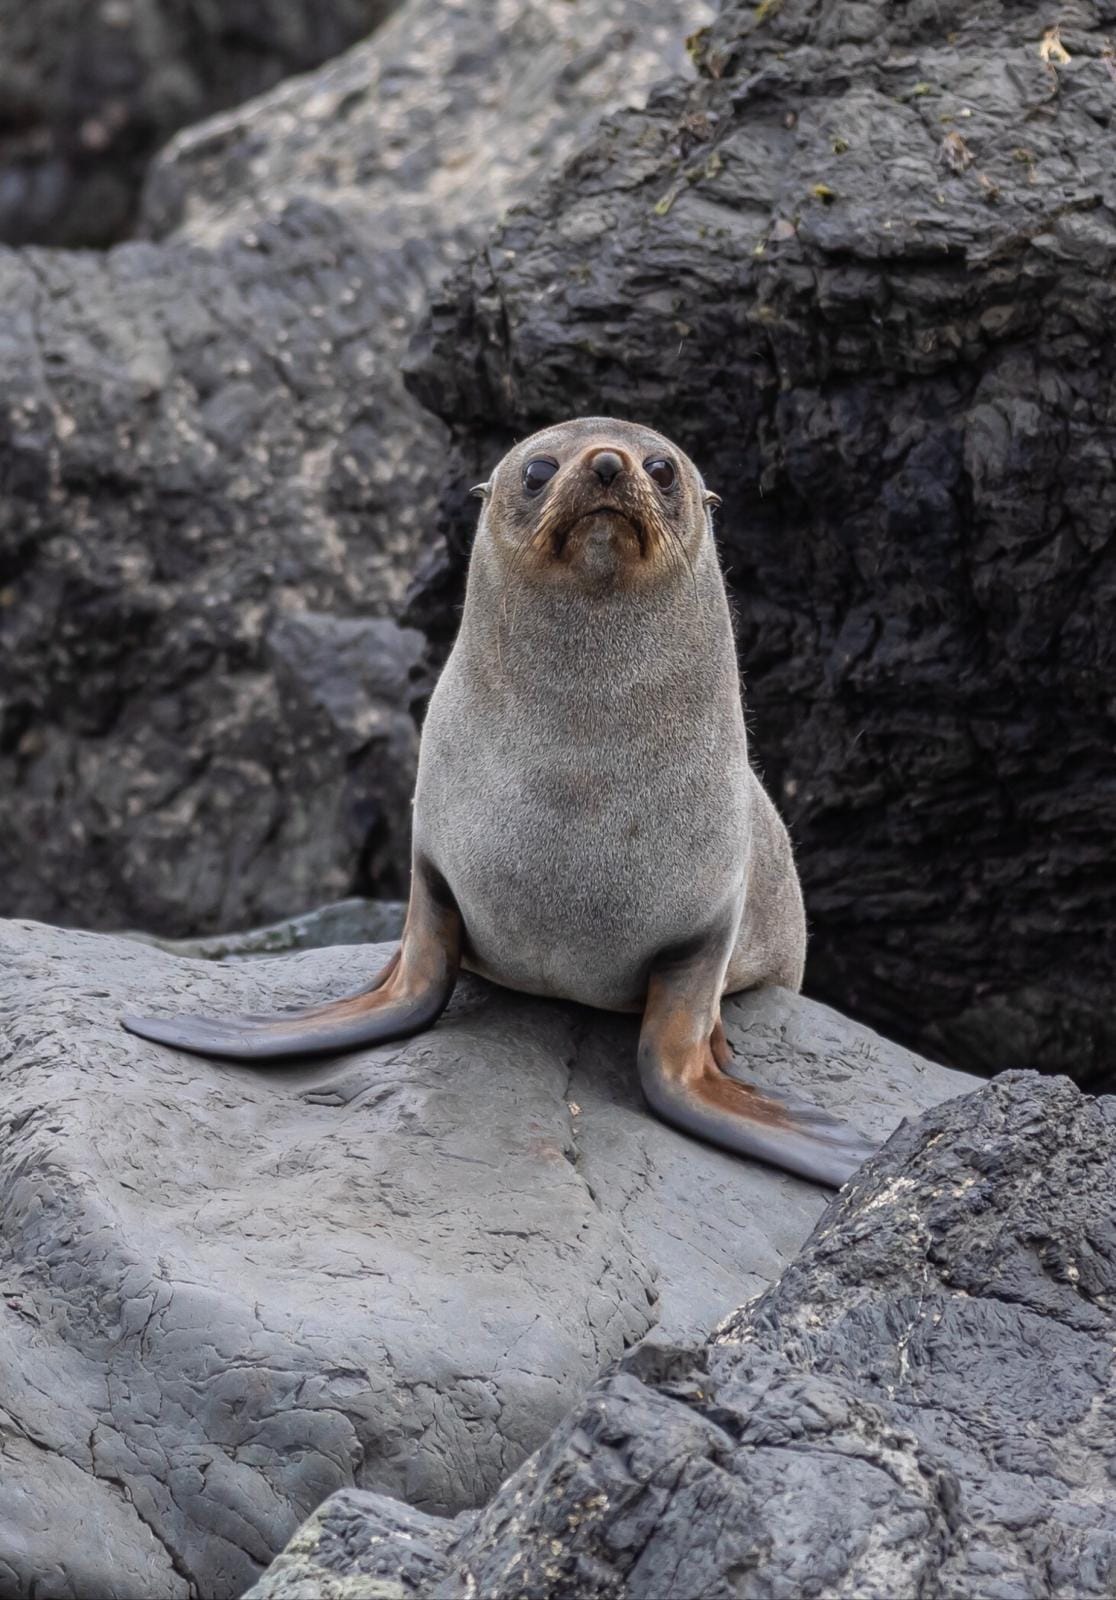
(584, 784)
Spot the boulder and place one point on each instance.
(426, 133)
(863, 271)
(214, 486)
(922, 1405)
(229, 1292)
(89, 91)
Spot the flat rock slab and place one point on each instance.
(229, 1292)
(923, 1406)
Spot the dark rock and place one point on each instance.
(229, 1292)
(864, 274)
(362, 1546)
(922, 1406)
(209, 465)
(353, 921)
(88, 91)
(195, 475)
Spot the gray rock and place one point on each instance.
(428, 132)
(864, 273)
(922, 1406)
(227, 1292)
(213, 474)
(88, 91)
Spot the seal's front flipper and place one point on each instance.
(407, 996)
(682, 1059)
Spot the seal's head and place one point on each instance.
(597, 502)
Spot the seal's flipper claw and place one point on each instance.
(408, 995)
(700, 1097)
(682, 1061)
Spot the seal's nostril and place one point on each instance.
(607, 465)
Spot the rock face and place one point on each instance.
(863, 272)
(88, 92)
(923, 1405)
(228, 1292)
(212, 474)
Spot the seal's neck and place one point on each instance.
(523, 638)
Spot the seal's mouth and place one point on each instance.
(603, 527)
(614, 513)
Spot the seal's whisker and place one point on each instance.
(680, 550)
(519, 555)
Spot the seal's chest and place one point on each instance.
(568, 883)
(556, 837)
(578, 844)
(550, 917)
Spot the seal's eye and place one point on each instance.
(538, 473)
(659, 471)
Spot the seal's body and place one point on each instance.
(584, 788)
(587, 824)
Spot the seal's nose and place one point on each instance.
(607, 465)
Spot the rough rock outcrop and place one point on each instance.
(227, 1292)
(209, 467)
(89, 90)
(865, 272)
(353, 921)
(922, 1406)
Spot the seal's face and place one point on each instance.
(599, 501)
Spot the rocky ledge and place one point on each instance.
(922, 1406)
(228, 1293)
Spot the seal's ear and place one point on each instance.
(481, 490)
(710, 498)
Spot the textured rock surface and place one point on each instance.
(227, 1293)
(864, 272)
(90, 88)
(922, 1406)
(209, 466)
(363, 1546)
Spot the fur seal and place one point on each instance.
(586, 821)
